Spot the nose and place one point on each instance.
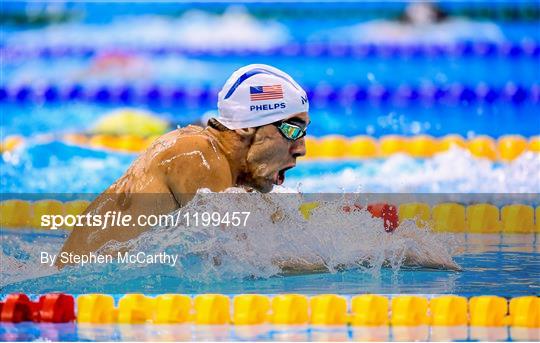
(298, 148)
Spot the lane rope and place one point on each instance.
(321, 94)
(284, 309)
(443, 217)
(483, 49)
(505, 149)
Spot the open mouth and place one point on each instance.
(280, 175)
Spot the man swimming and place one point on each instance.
(257, 137)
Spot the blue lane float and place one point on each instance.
(320, 94)
(524, 49)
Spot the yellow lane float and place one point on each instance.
(537, 217)
(16, 213)
(312, 147)
(505, 149)
(422, 146)
(449, 141)
(290, 309)
(332, 146)
(363, 147)
(10, 143)
(409, 310)
(250, 309)
(369, 310)
(420, 212)
(510, 147)
(172, 309)
(402, 311)
(525, 312)
(483, 218)
(449, 310)
(96, 309)
(328, 309)
(534, 144)
(212, 309)
(448, 217)
(517, 218)
(136, 309)
(483, 146)
(392, 144)
(488, 310)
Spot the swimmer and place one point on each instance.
(421, 22)
(423, 13)
(257, 136)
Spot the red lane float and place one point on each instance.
(387, 212)
(51, 308)
(17, 308)
(56, 308)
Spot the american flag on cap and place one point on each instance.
(257, 93)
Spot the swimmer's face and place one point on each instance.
(271, 154)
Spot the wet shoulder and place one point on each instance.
(182, 143)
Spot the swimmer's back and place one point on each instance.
(178, 162)
(165, 177)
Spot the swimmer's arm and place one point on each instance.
(432, 262)
(85, 239)
(303, 267)
(299, 265)
(78, 241)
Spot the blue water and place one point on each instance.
(175, 332)
(507, 268)
(494, 119)
(100, 13)
(504, 265)
(56, 167)
(487, 259)
(360, 119)
(214, 70)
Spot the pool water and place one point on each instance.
(368, 119)
(164, 332)
(471, 77)
(32, 172)
(77, 169)
(504, 265)
(483, 258)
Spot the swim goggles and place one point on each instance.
(291, 131)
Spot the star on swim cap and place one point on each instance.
(259, 94)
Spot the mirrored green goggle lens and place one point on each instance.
(291, 131)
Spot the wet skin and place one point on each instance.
(166, 176)
(176, 165)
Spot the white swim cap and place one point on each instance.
(259, 94)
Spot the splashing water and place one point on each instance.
(32, 169)
(453, 171)
(276, 240)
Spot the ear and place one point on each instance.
(246, 133)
